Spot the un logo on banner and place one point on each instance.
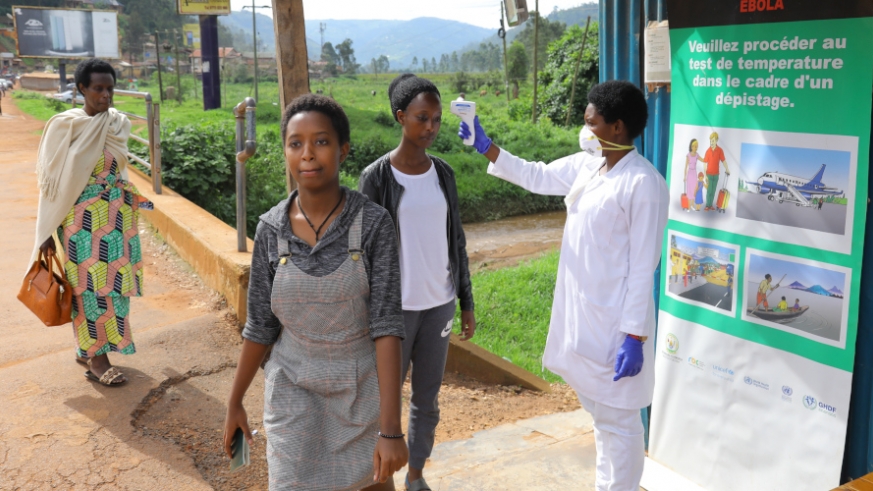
(787, 390)
(748, 380)
(809, 402)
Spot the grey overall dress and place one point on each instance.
(321, 396)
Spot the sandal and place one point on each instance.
(417, 485)
(110, 378)
(83, 361)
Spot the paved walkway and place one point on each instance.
(59, 431)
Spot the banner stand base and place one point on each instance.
(657, 477)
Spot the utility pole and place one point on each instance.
(321, 28)
(536, 42)
(178, 73)
(255, 46)
(158, 53)
(576, 71)
(502, 33)
(291, 56)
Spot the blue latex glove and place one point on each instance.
(481, 142)
(629, 360)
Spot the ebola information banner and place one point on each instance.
(769, 157)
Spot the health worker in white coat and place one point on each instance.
(604, 310)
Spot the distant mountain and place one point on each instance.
(797, 286)
(574, 15)
(818, 290)
(709, 260)
(836, 291)
(399, 40)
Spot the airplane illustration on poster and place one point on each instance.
(798, 190)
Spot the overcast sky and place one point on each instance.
(484, 13)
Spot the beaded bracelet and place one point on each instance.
(383, 435)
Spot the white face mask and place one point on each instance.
(589, 142)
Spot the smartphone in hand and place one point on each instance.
(240, 450)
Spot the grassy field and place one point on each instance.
(513, 307)
(375, 133)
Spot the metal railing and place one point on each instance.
(153, 121)
(246, 143)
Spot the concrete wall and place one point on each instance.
(205, 242)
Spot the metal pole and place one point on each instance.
(244, 113)
(158, 53)
(178, 73)
(156, 159)
(505, 65)
(536, 48)
(150, 122)
(255, 34)
(576, 71)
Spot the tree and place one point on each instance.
(557, 76)
(347, 57)
(518, 65)
(383, 63)
(414, 62)
(424, 64)
(329, 56)
(548, 32)
(455, 63)
(433, 64)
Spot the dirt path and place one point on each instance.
(163, 430)
(505, 242)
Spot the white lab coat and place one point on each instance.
(611, 247)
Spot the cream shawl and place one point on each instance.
(68, 151)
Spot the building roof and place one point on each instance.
(222, 53)
(53, 76)
(262, 55)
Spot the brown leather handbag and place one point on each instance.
(46, 292)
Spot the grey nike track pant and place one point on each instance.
(426, 346)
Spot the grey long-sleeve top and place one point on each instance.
(381, 259)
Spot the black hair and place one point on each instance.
(768, 276)
(691, 143)
(404, 88)
(323, 105)
(93, 65)
(620, 99)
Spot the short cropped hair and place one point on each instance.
(620, 99)
(323, 105)
(92, 65)
(404, 88)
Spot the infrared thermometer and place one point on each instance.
(466, 110)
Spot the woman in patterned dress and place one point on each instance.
(324, 292)
(81, 169)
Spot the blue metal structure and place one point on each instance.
(622, 23)
(858, 459)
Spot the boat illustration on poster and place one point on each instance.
(796, 295)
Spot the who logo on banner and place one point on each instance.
(809, 402)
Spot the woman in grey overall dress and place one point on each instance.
(328, 301)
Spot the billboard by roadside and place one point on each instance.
(66, 33)
(203, 7)
(191, 36)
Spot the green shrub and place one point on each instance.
(384, 119)
(198, 161)
(557, 76)
(364, 153)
